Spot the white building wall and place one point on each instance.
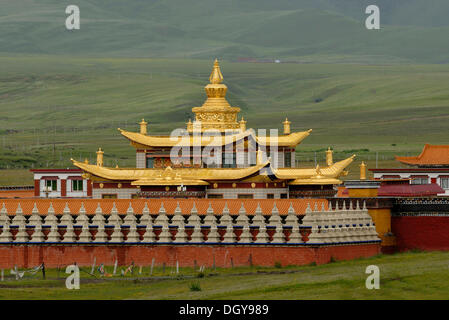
(57, 193)
(122, 193)
(258, 193)
(140, 160)
(407, 175)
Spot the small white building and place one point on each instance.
(60, 183)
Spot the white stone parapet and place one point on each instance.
(319, 226)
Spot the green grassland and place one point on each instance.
(56, 108)
(412, 275)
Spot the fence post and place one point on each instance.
(115, 267)
(152, 265)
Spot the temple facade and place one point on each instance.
(215, 156)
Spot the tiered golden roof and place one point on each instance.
(215, 114)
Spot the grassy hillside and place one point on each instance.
(301, 30)
(55, 108)
(402, 276)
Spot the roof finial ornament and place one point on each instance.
(329, 157)
(363, 171)
(242, 124)
(216, 77)
(100, 157)
(286, 124)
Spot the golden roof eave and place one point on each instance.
(165, 182)
(316, 181)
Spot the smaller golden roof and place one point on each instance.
(334, 171)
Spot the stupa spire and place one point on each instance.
(216, 112)
(216, 76)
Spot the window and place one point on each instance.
(134, 196)
(51, 185)
(270, 195)
(287, 160)
(150, 162)
(215, 196)
(77, 185)
(445, 183)
(109, 196)
(386, 176)
(283, 196)
(245, 196)
(419, 180)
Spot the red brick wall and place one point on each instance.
(421, 232)
(27, 256)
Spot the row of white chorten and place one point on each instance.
(332, 226)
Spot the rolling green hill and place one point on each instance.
(301, 30)
(54, 108)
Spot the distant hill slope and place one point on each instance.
(56, 108)
(305, 30)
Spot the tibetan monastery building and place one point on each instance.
(216, 156)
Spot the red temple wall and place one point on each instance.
(27, 256)
(421, 232)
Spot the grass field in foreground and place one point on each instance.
(412, 275)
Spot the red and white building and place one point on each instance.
(61, 183)
(431, 168)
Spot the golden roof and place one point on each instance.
(201, 176)
(145, 176)
(144, 141)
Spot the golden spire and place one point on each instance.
(363, 171)
(286, 126)
(100, 157)
(143, 127)
(329, 157)
(216, 76)
(216, 112)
